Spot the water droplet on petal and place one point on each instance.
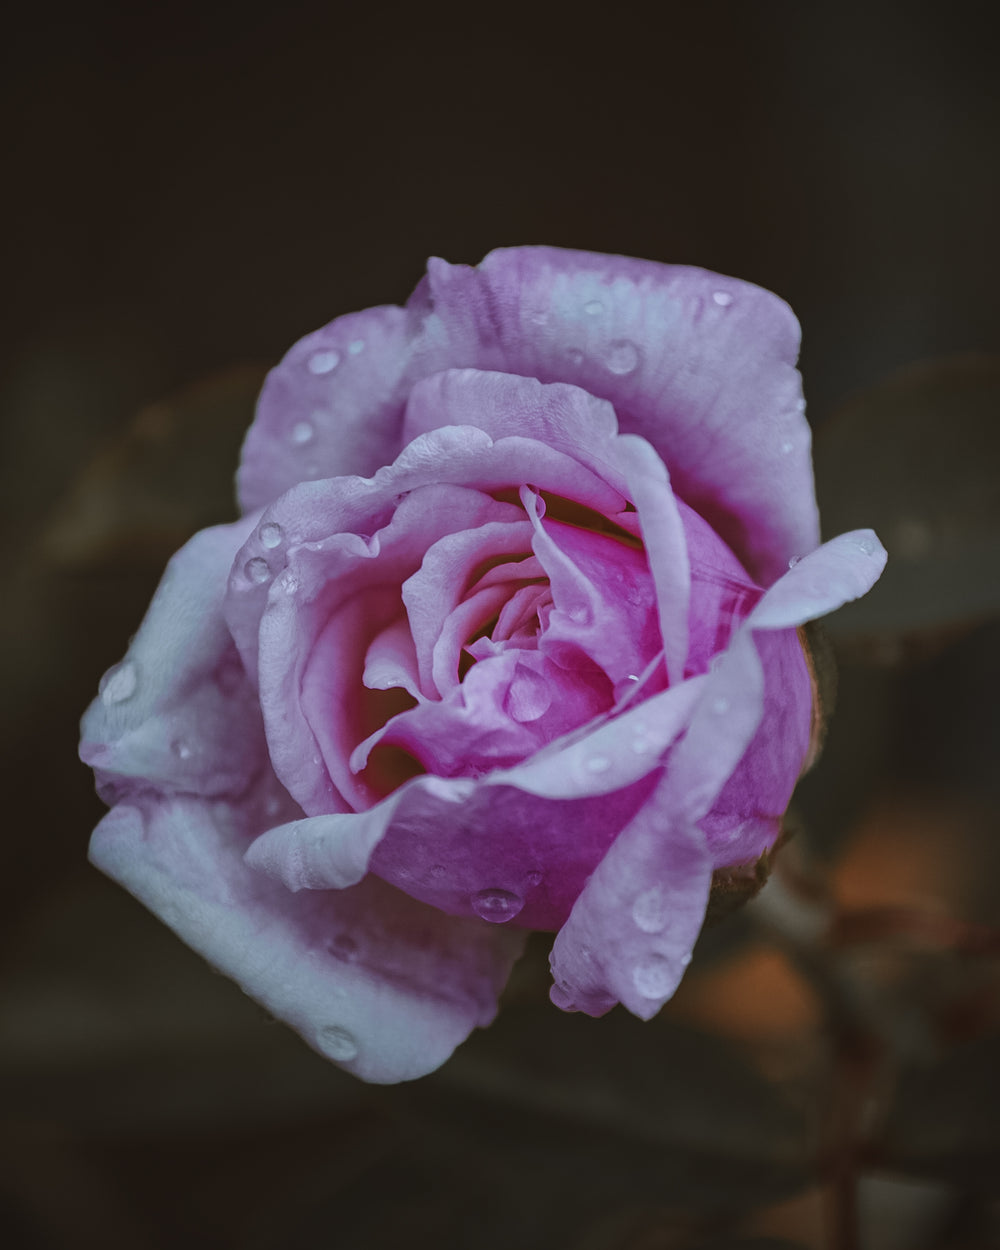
(720, 706)
(621, 356)
(633, 676)
(787, 447)
(722, 298)
(438, 871)
(795, 560)
(593, 308)
(324, 362)
(302, 432)
(270, 535)
(651, 910)
(655, 977)
(118, 683)
(356, 347)
(574, 356)
(597, 764)
(256, 570)
(497, 906)
(533, 879)
(685, 960)
(337, 1043)
(867, 545)
(289, 583)
(181, 749)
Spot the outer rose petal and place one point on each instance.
(700, 365)
(377, 982)
(332, 406)
(178, 712)
(610, 950)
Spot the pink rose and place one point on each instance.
(506, 638)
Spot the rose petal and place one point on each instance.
(449, 842)
(375, 981)
(333, 405)
(630, 934)
(841, 570)
(178, 711)
(700, 365)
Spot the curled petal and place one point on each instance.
(630, 934)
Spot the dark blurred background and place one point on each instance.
(189, 188)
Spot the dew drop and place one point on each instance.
(302, 433)
(651, 910)
(720, 706)
(685, 960)
(256, 570)
(118, 683)
(438, 871)
(324, 362)
(181, 749)
(655, 977)
(270, 535)
(633, 676)
(597, 764)
(497, 906)
(574, 356)
(344, 947)
(357, 347)
(867, 545)
(787, 447)
(337, 1043)
(622, 357)
(722, 298)
(794, 561)
(533, 879)
(593, 308)
(289, 583)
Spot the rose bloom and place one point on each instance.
(506, 639)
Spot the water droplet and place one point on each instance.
(655, 977)
(357, 347)
(289, 583)
(621, 356)
(438, 871)
(270, 535)
(302, 432)
(324, 362)
(593, 308)
(720, 706)
(181, 749)
(685, 960)
(497, 906)
(633, 676)
(597, 764)
(574, 356)
(795, 560)
(787, 447)
(344, 947)
(337, 1043)
(256, 570)
(722, 298)
(534, 878)
(867, 544)
(651, 910)
(118, 683)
